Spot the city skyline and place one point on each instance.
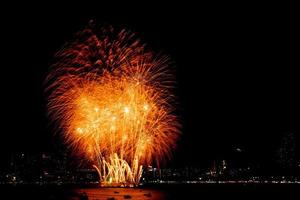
(48, 168)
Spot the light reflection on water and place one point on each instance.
(121, 193)
(158, 192)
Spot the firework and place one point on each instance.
(112, 100)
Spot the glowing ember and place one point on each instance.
(111, 98)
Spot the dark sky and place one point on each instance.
(237, 72)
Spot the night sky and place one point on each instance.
(237, 73)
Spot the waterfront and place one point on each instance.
(162, 192)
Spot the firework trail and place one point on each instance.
(112, 100)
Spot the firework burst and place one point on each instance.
(112, 100)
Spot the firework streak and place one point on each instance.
(112, 100)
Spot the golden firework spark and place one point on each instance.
(112, 100)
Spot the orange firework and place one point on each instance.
(112, 100)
